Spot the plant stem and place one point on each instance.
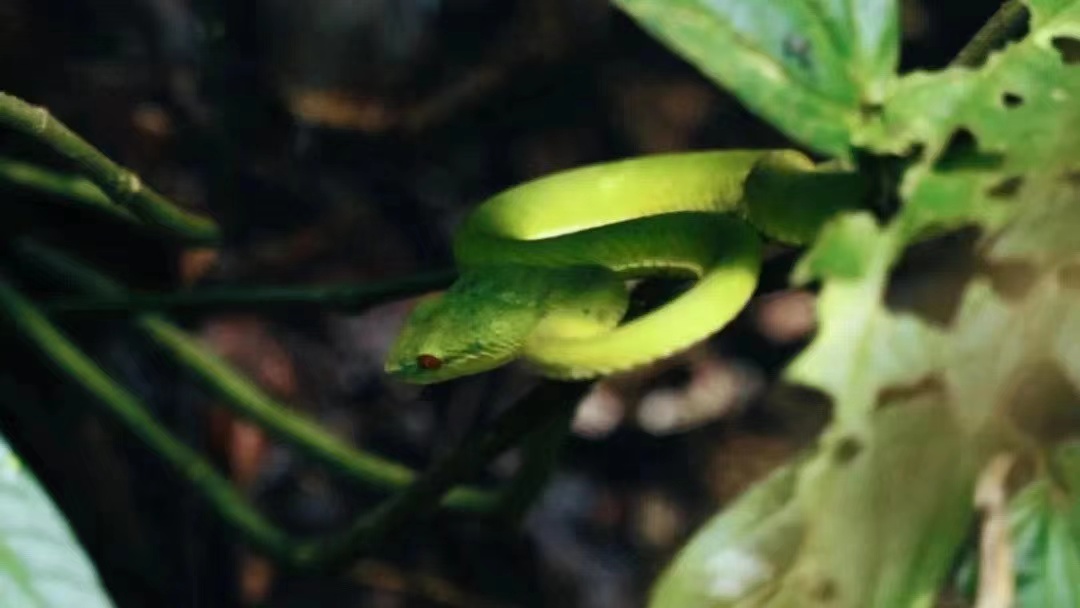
(1005, 23)
(352, 298)
(242, 396)
(70, 188)
(121, 185)
(368, 533)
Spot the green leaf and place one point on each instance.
(811, 67)
(41, 562)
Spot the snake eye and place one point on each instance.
(429, 362)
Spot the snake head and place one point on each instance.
(478, 324)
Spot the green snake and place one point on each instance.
(543, 267)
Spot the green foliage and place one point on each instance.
(1047, 547)
(879, 510)
(41, 563)
(992, 137)
(885, 497)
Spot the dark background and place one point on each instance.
(340, 141)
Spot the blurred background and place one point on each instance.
(341, 141)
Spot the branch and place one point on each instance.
(120, 184)
(1002, 25)
(238, 393)
(367, 534)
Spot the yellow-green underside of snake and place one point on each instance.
(543, 266)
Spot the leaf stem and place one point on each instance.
(1005, 23)
(121, 185)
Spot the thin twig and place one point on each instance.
(121, 185)
(72, 189)
(367, 534)
(1005, 23)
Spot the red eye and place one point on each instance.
(430, 362)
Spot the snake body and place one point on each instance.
(543, 266)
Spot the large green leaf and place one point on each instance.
(869, 522)
(885, 513)
(813, 68)
(41, 562)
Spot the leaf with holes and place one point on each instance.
(810, 67)
(882, 531)
(861, 348)
(41, 563)
(997, 142)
